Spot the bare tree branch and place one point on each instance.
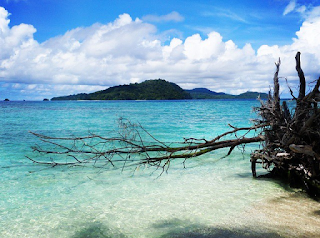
(132, 147)
(301, 77)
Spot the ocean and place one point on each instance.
(208, 196)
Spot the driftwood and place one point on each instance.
(133, 147)
(290, 141)
(291, 146)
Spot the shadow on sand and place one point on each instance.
(97, 230)
(180, 229)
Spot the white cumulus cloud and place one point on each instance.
(87, 59)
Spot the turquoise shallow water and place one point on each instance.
(212, 197)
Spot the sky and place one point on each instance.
(53, 48)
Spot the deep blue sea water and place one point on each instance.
(211, 197)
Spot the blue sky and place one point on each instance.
(243, 21)
(54, 47)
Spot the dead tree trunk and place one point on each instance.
(292, 143)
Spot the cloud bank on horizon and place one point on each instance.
(87, 59)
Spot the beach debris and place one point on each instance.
(291, 134)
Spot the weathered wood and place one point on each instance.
(276, 88)
(292, 142)
(253, 166)
(302, 89)
(304, 149)
(286, 112)
(131, 148)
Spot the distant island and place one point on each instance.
(156, 89)
(204, 93)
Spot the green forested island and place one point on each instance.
(157, 89)
(204, 93)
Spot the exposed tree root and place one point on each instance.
(292, 142)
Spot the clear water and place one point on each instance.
(211, 197)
